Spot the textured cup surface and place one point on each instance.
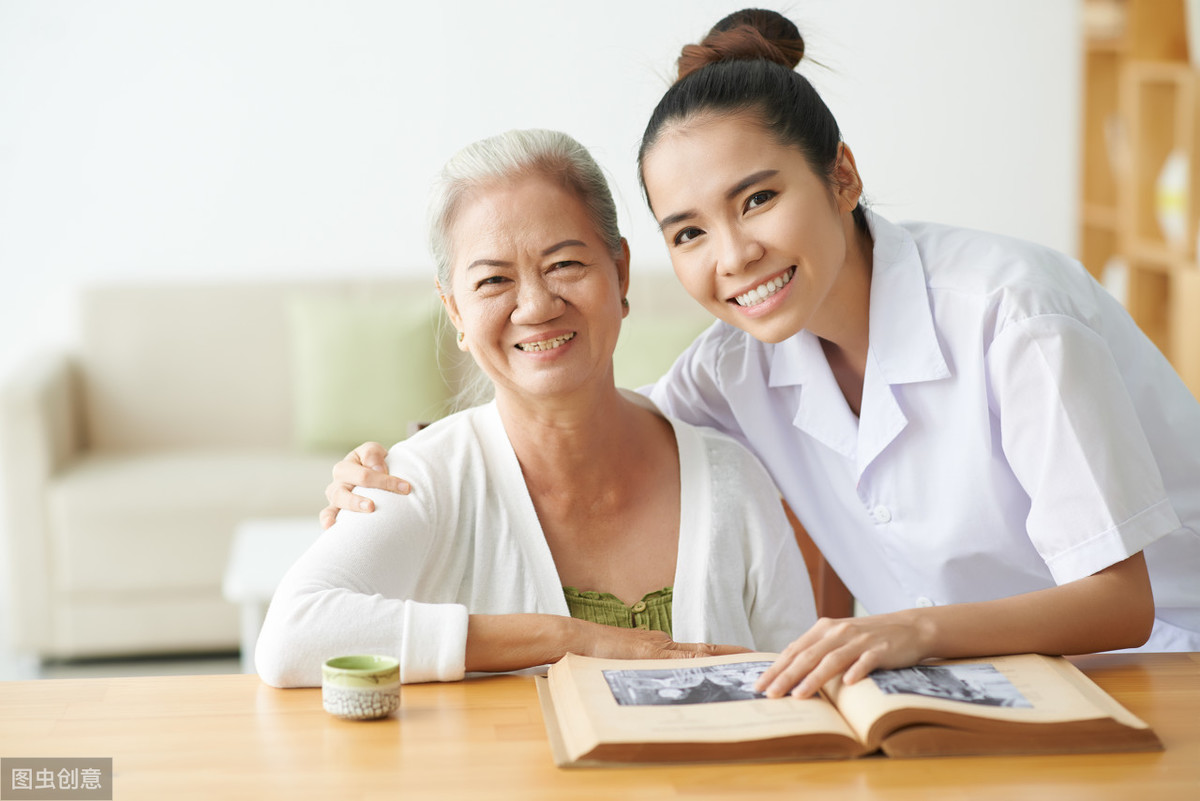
(360, 687)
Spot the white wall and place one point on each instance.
(248, 138)
(185, 139)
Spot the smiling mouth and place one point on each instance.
(765, 290)
(546, 344)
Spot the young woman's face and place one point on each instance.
(754, 234)
(534, 288)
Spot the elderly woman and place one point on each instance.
(565, 515)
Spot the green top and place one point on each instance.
(652, 612)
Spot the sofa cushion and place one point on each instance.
(183, 365)
(364, 368)
(136, 523)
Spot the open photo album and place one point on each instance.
(608, 712)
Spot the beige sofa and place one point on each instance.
(186, 408)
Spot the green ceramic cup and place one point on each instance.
(360, 687)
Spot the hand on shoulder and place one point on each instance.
(365, 466)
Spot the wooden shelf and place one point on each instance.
(1141, 105)
(1161, 102)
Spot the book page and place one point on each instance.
(679, 700)
(1026, 688)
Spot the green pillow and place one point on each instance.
(650, 344)
(364, 368)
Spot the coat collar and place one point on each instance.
(903, 349)
(903, 343)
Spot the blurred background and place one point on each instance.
(250, 138)
(253, 140)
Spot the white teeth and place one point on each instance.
(765, 290)
(548, 344)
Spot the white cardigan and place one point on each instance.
(403, 579)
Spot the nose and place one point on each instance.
(737, 250)
(537, 302)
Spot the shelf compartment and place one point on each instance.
(1148, 298)
(1184, 326)
(1161, 103)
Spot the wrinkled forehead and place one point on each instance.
(516, 218)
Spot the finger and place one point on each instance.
(789, 674)
(863, 667)
(353, 474)
(328, 516)
(349, 474)
(343, 498)
(833, 664)
(790, 655)
(372, 455)
(696, 649)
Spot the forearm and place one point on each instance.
(496, 643)
(1109, 610)
(511, 642)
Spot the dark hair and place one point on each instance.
(747, 65)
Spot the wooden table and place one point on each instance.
(232, 737)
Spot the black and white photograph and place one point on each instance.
(692, 685)
(978, 683)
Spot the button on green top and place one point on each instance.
(653, 612)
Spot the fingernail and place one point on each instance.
(403, 487)
(378, 468)
(364, 505)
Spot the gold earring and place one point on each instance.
(461, 336)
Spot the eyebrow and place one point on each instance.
(487, 263)
(735, 190)
(566, 243)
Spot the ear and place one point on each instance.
(451, 307)
(847, 181)
(623, 272)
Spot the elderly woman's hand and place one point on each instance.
(611, 642)
(365, 466)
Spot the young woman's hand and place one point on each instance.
(1106, 611)
(365, 466)
(851, 647)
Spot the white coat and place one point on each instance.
(1016, 431)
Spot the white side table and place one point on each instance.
(263, 550)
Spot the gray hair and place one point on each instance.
(509, 155)
(504, 157)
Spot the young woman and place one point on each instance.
(977, 436)
(564, 503)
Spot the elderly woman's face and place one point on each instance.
(534, 289)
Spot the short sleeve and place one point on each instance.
(1072, 438)
(692, 391)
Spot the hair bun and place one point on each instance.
(752, 33)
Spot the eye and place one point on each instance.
(561, 265)
(686, 235)
(759, 198)
(491, 280)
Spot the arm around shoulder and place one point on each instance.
(358, 589)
